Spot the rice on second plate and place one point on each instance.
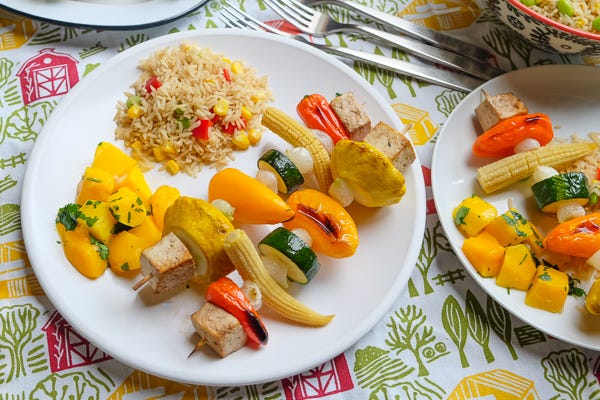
(579, 14)
(191, 108)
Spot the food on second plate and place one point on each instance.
(496, 108)
(509, 248)
(506, 171)
(507, 136)
(191, 107)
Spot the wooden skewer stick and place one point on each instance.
(201, 343)
(142, 282)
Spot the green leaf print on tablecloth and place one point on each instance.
(17, 327)
(477, 323)
(432, 241)
(10, 218)
(455, 324)
(9, 90)
(409, 332)
(567, 370)
(26, 123)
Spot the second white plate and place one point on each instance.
(570, 95)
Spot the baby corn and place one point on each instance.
(246, 260)
(509, 170)
(298, 135)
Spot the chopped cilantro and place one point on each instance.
(68, 215)
(102, 249)
(545, 276)
(461, 213)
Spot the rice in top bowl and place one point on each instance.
(578, 14)
(165, 118)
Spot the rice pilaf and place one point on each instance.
(171, 116)
(579, 14)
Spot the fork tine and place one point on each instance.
(298, 21)
(240, 19)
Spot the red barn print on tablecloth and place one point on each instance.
(47, 74)
(327, 379)
(66, 348)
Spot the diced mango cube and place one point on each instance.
(508, 228)
(162, 198)
(534, 238)
(98, 219)
(148, 232)
(473, 214)
(485, 253)
(124, 252)
(549, 289)
(87, 257)
(136, 181)
(127, 207)
(112, 159)
(95, 184)
(518, 268)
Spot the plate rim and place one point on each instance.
(376, 314)
(106, 25)
(448, 225)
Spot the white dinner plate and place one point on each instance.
(104, 14)
(570, 95)
(155, 335)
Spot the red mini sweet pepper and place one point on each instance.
(226, 294)
(501, 139)
(577, 237)
(316, 112)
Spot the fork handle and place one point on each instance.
(438, 39)
(430, 53)
(445, 78)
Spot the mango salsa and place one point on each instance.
(518, 268)
(485, 253)
(472, 215)
(548, 290)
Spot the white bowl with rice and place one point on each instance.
(559, 26)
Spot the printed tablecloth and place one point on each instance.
(409, 354)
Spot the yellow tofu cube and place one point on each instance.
(127, 207)
(472, 215)
(98, 219)
(518, 268)
(485, 253)
(95, 184)
(549, 289)
(508, 228)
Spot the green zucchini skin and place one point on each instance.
(289, 177)
(287, 247)
(551, 192)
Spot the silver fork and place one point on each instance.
(435, 38)
(315, 23)
(235, 18)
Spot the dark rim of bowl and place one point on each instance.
(553, 23)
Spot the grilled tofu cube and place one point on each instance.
(393, 144)
(351, 114)
(168, 263)
(221, 330)
(498, 108)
